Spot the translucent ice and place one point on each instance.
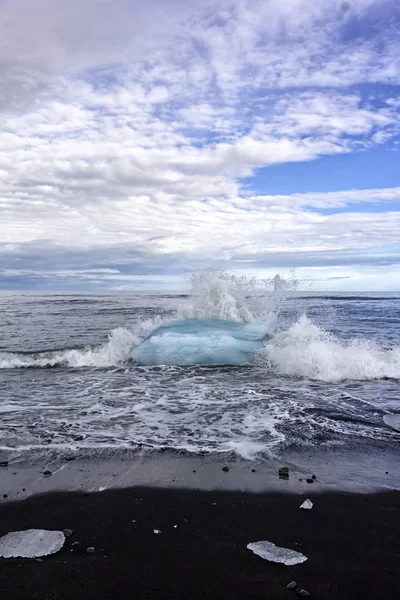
(393, 421)
(307, 504)
(201, 342)
(31, 543)
(273, 553)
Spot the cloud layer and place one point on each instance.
(132, 136)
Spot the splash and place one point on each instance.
(217, 295)
(226, 296)
(305, 350)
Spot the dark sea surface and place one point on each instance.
(328, 380)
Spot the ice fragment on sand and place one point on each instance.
(157, 531)
(273, 553)
(307, 504)
(31, 543)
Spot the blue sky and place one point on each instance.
(139, 143)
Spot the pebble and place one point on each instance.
(314, 476)
(303, 593)
(5, 496)
(310, 480)
(253, 470)
(90, 550)
(284, 472)
(67, 532)
(291, 585)
(225, 469)
(3, 463)
(47, 473)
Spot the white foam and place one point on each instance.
(115, 351)
(305, 350)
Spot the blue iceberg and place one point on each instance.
(201, 342)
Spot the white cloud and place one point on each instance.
(129, 138)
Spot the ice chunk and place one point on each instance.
(273, 553)
(31, 543)
(201, 342)
(307, 504)
(393, 421)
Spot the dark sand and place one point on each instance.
(352, 542)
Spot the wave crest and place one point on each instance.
(305, 350)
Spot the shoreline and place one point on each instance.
(334, 472)
(351, 542)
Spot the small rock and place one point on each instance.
(310, 480)
(194, 471)
(254, 470)
(314, 476)
(5, 495)
(303, 593)
(90, 550)
(3, 463)
(225, 469)
(291, 585)
(284, 472)
(47, 473)
(67, 532)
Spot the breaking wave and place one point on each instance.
(301, 350)
(116, 351)
(305, 350)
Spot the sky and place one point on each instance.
(140, 142)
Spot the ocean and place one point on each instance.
(324, 389)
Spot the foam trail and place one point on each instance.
(305, 350)
(116, 351)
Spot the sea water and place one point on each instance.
(326, 379)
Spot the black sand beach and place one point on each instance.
(352, 542)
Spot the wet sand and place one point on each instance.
(352, 542)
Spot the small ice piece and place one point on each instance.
(273, 553)
(307, 504)
(157, 531)
(393, 421)
(175, 526)
(31, 543)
